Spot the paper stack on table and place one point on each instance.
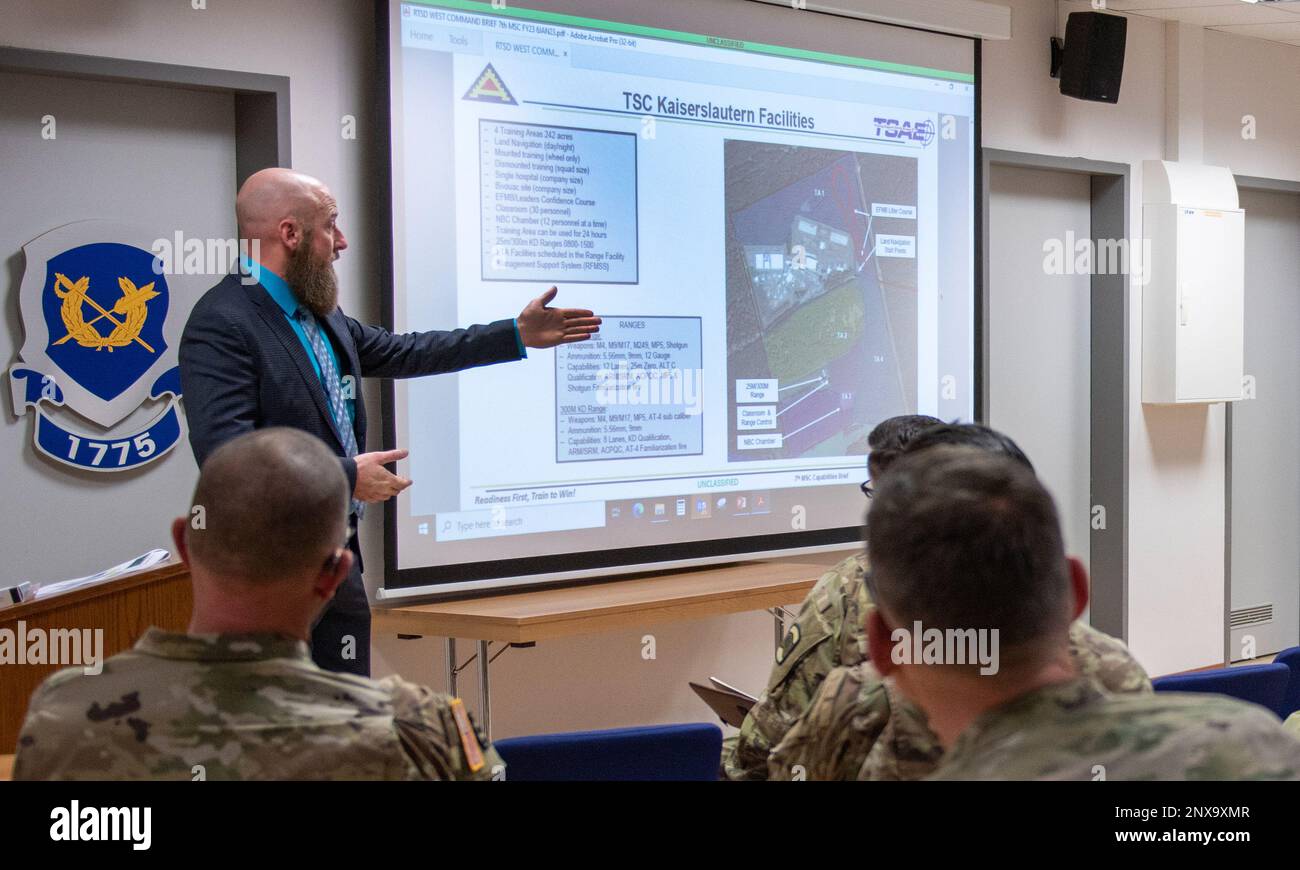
(139, 563)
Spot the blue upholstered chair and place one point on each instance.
(656, 752)
(1290, 658)
(1265, 685)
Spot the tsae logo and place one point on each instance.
(101, 330)
(892, 129)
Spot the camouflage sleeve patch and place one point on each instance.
(801, 640)
(441, 747)
(788, 643)
(818, 619)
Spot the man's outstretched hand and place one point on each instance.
(540, 326)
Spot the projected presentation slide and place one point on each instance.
(779, 241)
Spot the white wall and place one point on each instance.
(1250, 77)
(1176, 455)
(75, 521)
(329, 61)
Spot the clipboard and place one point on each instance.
(728, 702)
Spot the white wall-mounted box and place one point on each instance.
(1193, 313)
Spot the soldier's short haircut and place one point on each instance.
(269, 505)
(888, 439)
(968, 435)
(963, 538)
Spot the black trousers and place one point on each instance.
(341, 639)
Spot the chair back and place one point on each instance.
(655, 752)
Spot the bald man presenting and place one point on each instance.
(268, 346)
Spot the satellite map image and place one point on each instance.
(821, 297)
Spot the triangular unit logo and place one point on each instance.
(489, 88)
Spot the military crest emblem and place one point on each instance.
(489, 88)
(101, 332)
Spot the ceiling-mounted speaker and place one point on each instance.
(1090, 63)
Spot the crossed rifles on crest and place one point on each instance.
(133, 307)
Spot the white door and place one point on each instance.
(1208, 335)
(1038, 330)
(1264, 488)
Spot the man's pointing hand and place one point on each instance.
(374, 482)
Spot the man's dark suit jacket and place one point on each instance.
(243, 368)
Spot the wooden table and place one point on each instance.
(532, 616)
(122, 608)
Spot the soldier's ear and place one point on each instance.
(334, 572)
(880, 642)
(1079, 586)
(179, 527)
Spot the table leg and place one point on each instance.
(449, 648)
(485, 709)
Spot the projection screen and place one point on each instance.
(773, 210)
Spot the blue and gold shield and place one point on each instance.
(101, 327)
(104, 308)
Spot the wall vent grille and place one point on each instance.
(1250, 616)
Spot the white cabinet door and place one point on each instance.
(1208, 298)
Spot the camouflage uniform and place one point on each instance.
(1106, 660)
(828, 631)
(859, 728)
(1292, 724)
(243, 706)
(1076, 731)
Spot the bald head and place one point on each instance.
(274, 507)
(291, 223)
(274, 195)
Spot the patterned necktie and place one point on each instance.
(329, 375)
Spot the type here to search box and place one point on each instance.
(510, 520)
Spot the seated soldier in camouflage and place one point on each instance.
(857, 728)
(965, 541)
(829, 632)
(825, 632)
(238, 696)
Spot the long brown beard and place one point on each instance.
(312, 281)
